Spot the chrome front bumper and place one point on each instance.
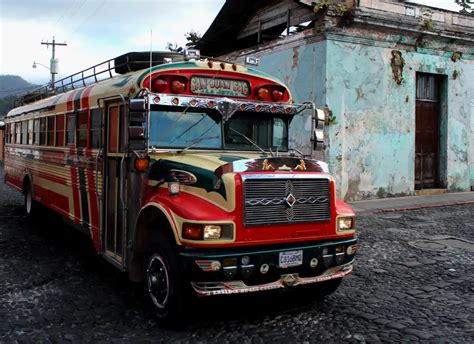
(287, 280)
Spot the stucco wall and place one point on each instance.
(303, 69)
(371, 144)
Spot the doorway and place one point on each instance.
(427, 132)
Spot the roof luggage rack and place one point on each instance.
(122, 64)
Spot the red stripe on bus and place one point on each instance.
(70, 101)
(85, 97)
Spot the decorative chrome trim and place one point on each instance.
(238, 287)
(285, 176)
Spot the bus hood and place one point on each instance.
(214, 165)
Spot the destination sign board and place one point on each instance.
(219, 86)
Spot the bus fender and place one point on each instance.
(153, 222)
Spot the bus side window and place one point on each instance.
(30, 132)
(114, 126)
(24, 132)
(71, 129)
(7, 133)
(51, 130)
(81, 128)
(95, 128)
(43, 131)
(36, 132)
(18, 132)
(60, 130)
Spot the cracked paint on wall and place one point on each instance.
(371, 146)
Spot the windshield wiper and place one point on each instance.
(252, 142)
(196, 141)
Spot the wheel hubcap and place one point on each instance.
(158, 281)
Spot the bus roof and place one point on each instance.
(129, 84)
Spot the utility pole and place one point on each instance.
(54, 62)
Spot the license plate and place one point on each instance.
(291, 258)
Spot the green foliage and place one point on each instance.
(192, 38)
(456, 74)
(174, 47)
(466, 6)
(341, 9)
(6, 104)
(321, 5)
(427, 20)
(456, 56)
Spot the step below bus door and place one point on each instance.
(115, 184)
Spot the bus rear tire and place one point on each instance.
(164, 289)
(30, 206)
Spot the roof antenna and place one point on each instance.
(151, 57)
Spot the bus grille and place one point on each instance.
(286, 201)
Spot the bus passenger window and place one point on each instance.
(51, 130)
(71, 129)
(30, 132)
(43, 131)
(81, 129)
(95, 128)
(18, 132)
(7, 133)
(60, 130)
(36, 132)
(24, 132)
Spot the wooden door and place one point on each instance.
(427, 137)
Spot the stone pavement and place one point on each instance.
(412, 202)
(412, 282)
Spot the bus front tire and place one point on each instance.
(164, 285)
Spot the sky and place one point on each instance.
(98, 30)
(94, 30)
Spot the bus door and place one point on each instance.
(115, 183)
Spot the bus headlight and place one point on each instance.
(345, 223)
(212, 232)
(197, 231)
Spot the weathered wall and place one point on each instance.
(303, 69)
(371, 142)
(372, 145)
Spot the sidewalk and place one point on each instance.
(411, 202)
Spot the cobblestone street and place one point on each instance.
(413, 281)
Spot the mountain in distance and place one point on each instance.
(12, 86)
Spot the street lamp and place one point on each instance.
(40, 64)
(53, 69)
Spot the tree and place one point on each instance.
(192, 38)
(465, 4)
(174, 47)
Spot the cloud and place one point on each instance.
(95, 30)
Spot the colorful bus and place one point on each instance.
(181, 171)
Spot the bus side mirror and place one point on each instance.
(137, 124)
(318, 129)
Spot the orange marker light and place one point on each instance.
(142, 164)
(193, 231)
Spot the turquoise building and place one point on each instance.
(398, 78)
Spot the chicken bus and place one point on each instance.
(180, 170)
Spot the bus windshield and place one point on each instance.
(205, 130)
